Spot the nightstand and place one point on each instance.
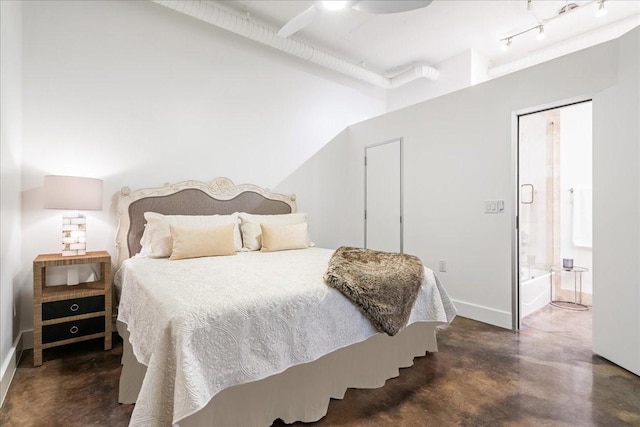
(67, 314)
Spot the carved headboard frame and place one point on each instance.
(221, 196)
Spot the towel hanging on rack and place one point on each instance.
(582, 217)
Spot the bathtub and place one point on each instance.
(535, 290)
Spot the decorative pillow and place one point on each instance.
(251, 231)
(284, 237)
(156, 239)
(198, 241)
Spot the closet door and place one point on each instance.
(383, 196)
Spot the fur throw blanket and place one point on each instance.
(383, 285)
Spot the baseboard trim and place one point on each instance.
(27, 339)
(484, 314)
(9, 366)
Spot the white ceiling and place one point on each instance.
(389, 43)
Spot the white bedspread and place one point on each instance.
(202, 325)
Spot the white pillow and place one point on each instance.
(252, 233)
(284, 237)
(156, 239)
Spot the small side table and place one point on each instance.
(576, 304)
(68, 314)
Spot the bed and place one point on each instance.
(246, 339)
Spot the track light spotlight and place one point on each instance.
(505, 43)
(540, 35)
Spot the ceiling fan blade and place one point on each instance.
(299, 22)
(382, 7)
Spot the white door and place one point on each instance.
(383, 196)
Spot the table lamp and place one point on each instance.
(73, 194)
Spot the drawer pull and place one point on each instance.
(74, 307)
(74, 329)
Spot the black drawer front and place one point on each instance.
(66, 330)
(72, 307)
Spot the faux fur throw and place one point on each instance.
(383, 285)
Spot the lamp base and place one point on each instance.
(74, 234)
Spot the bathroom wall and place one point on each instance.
(576, 172)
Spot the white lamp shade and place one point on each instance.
(72, 193)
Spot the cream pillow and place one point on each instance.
(193, 242)
(284, 237)
(156, 239)
(252, 233)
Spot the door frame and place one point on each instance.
(515, 191)
(366, 147)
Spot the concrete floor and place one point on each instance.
(482, 376)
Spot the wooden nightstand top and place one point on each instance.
(51, 260)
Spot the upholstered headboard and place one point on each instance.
(221, 196)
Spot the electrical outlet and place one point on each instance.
(442, 266)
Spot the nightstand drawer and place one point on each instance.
(72, 307)
(66, 330)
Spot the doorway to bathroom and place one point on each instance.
(554, 211)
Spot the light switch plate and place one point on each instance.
(493, 206)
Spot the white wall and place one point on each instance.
(461, 71)
(10, 156)
(576, 156)
(458, 153)
(324, 192)
(139, 95)
(616, 211)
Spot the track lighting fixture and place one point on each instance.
(567, 9)
(506, 42)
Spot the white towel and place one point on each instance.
(582, 217)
